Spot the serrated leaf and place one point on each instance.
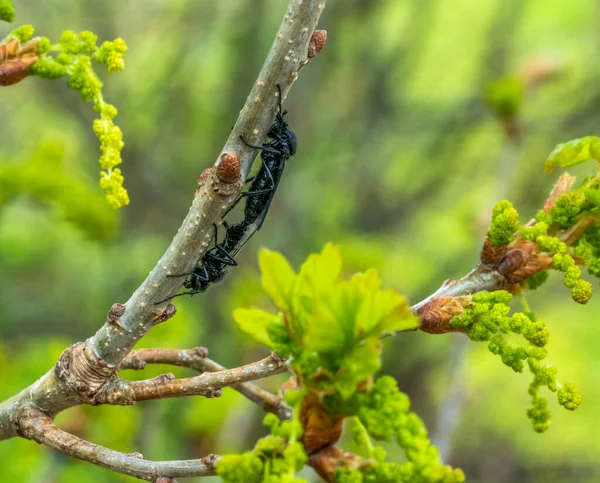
(324, 332)
(255, 322)
(278, 277)
(573, 152)
(321, 271)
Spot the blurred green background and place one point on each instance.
(401, 157)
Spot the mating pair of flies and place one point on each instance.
(275, 153)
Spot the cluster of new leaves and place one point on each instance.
(486, 319)
(276, 458)
(330, 329)
(73, 60)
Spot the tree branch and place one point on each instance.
(209, 384)
(35, 425)
(84, 369)
(197, 360)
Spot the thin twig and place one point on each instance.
(35, 425)
(209, 384)
(196, 359)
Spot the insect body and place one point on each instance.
(213, 265)
(275, 153)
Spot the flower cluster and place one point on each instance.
(486, 319)
(275, 459)
(384, 414)
(73, 59)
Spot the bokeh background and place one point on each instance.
(404, 146)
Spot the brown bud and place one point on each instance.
(317, 42)
(535, 264)
(327, 461)
(491, 255)
(114, 314)
(437, 314)
(15, 60)
(321, 428)
(201, 352)
(13, 71)
(9, 50)
(164, 314)
(229, 170)
(516, 258)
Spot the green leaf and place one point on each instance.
(573, 152)
(255, 322)
(362, 363)
(324, 332)
(593, 196)
(278, 277)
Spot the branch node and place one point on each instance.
(116, 392)
(201, 352)
(82, 371)
(114, 315)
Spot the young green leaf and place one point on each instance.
(278, 277)
(573, 152)
(256, 322)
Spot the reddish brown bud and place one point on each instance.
(327, 461)
(13, 71)
(15, 60)
(491, 255)
(516, 258)
(317, 42)
(437, 314)
(229, 169)
(321, 428)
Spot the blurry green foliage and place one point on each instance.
(44, 176)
